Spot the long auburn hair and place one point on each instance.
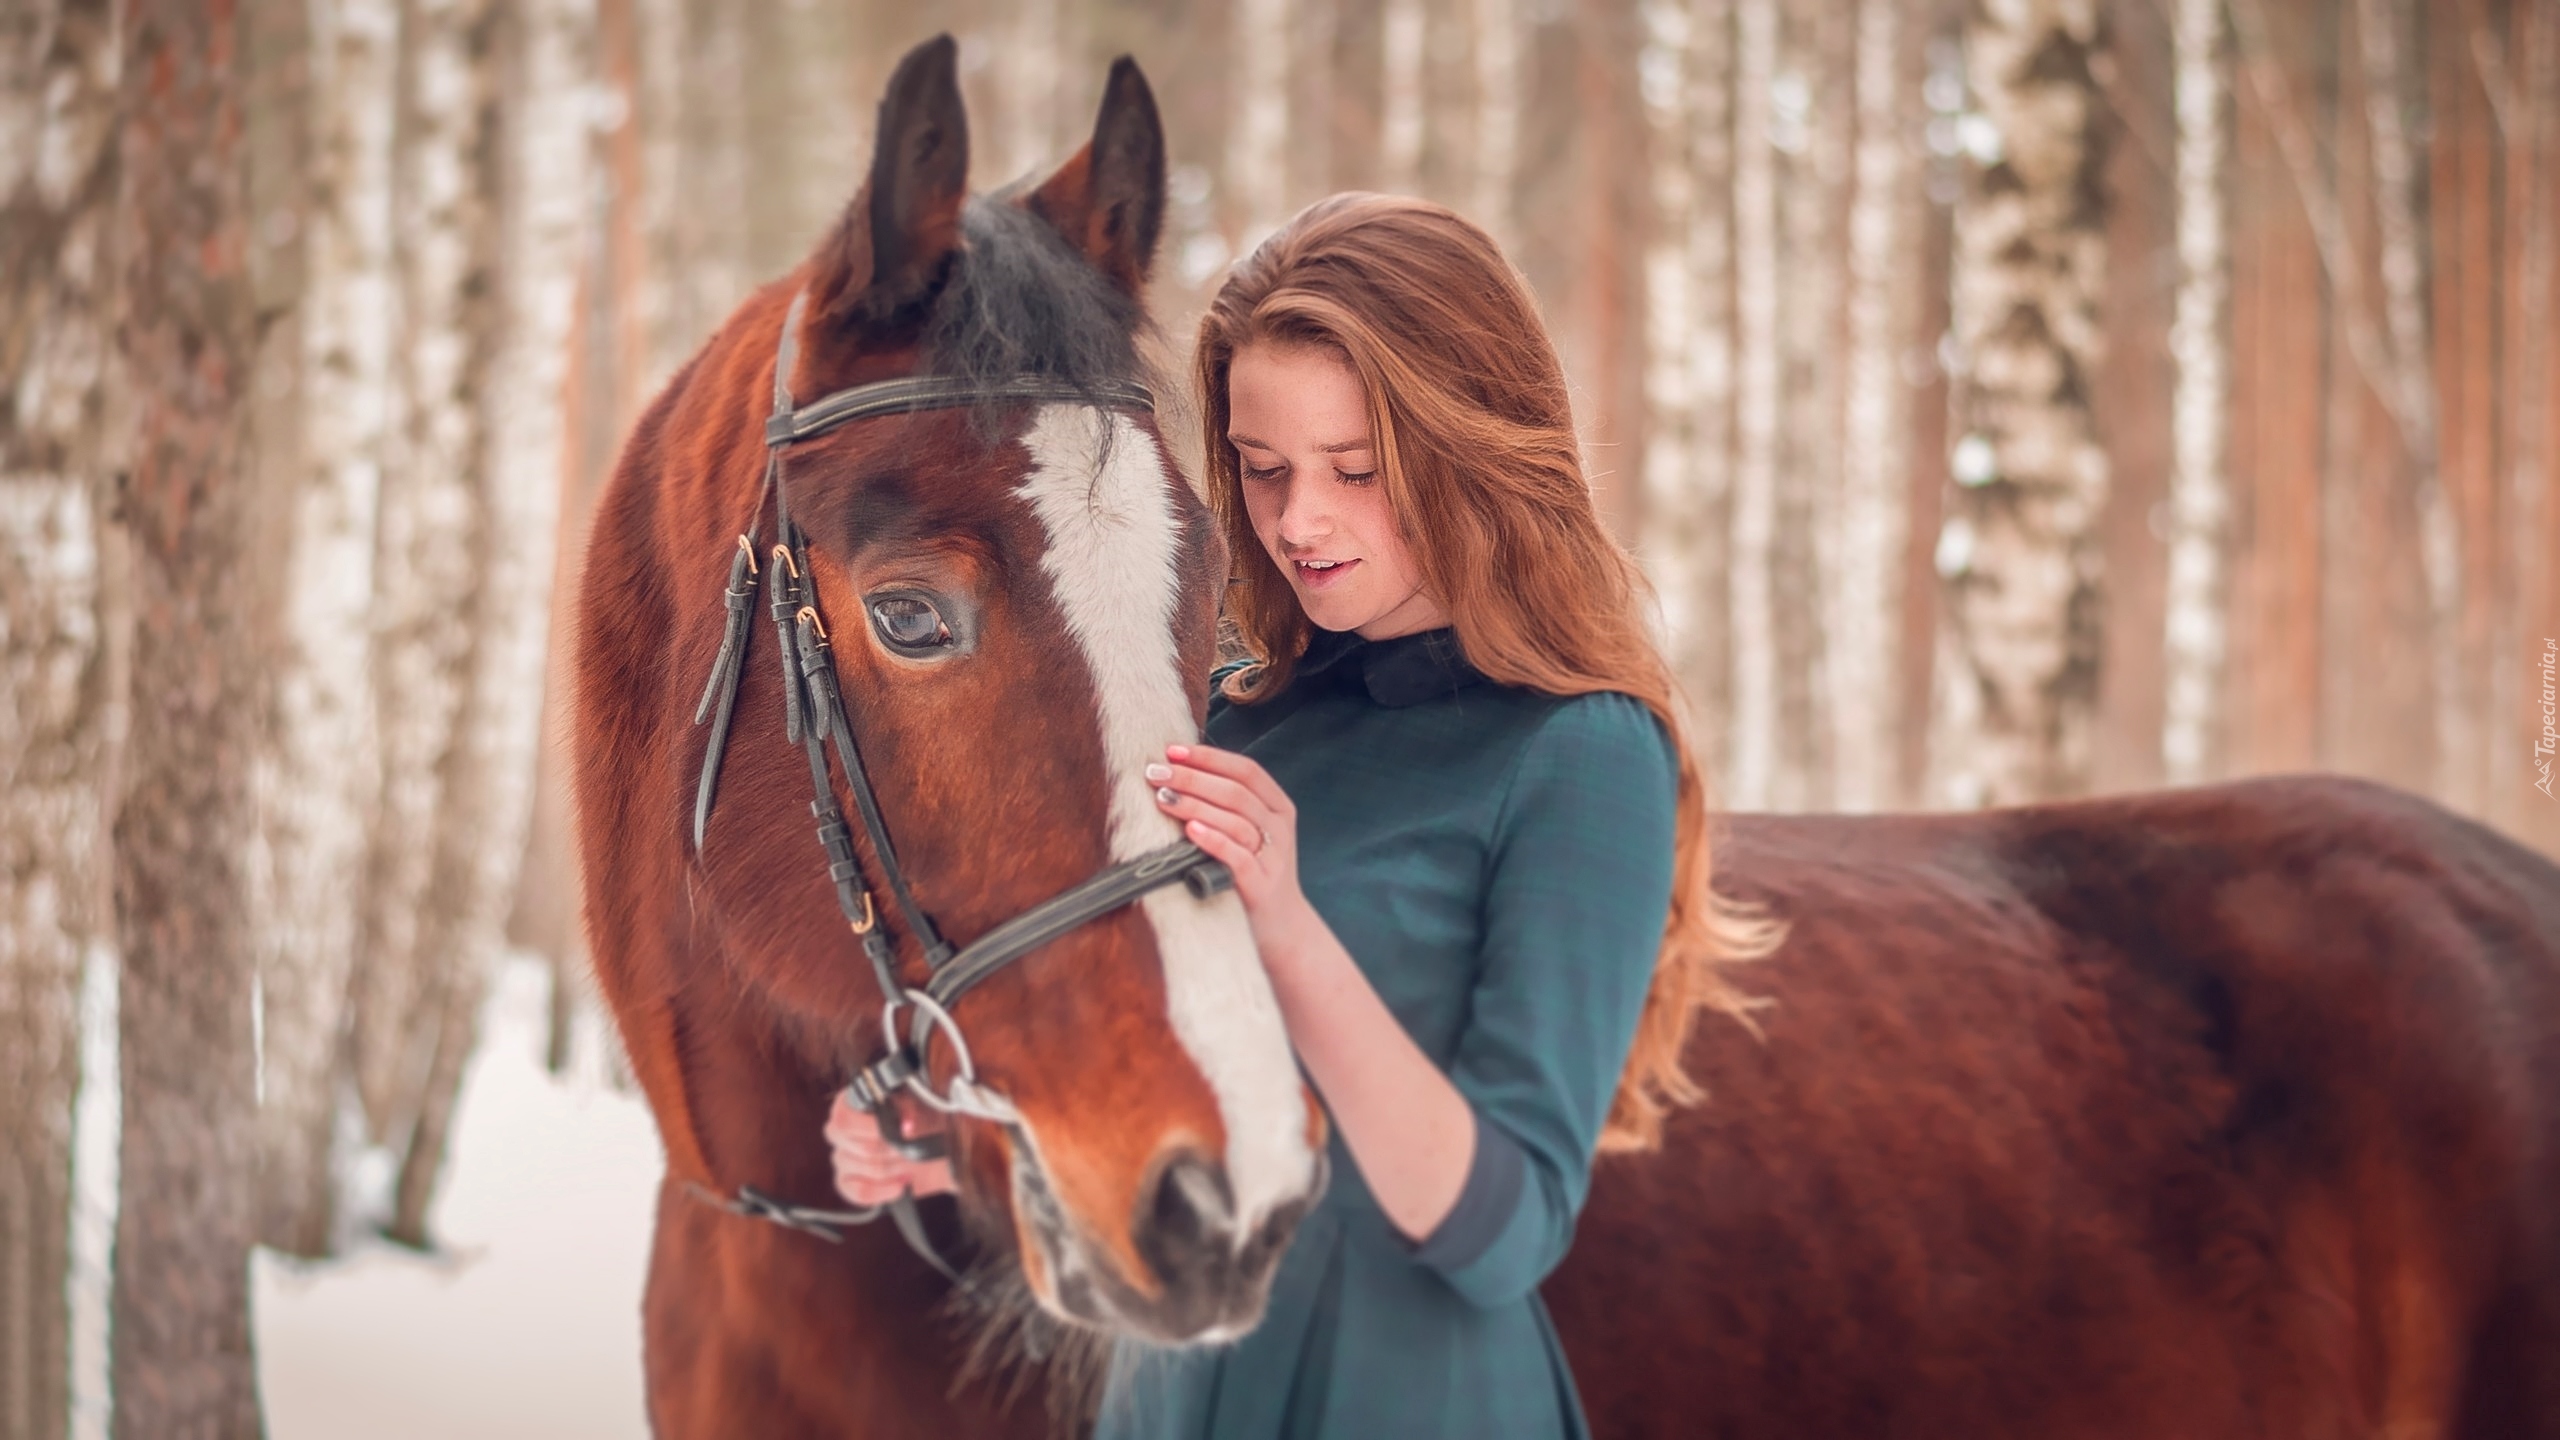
(1475, 443)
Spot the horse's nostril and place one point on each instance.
(1204, 1275)
(1191, 1202)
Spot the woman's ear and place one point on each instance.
(896, 240)
(1109, 199)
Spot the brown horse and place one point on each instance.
(1024, 599)
(2218, 1113)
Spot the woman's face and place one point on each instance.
(1299, 420)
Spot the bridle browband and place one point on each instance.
(815, 718)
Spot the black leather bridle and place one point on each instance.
(814, 717)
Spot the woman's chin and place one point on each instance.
(1329, 612)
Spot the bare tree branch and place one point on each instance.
(2339, 260)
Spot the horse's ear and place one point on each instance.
(1109, 199)
(896, 240)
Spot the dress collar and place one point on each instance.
(1406, 670)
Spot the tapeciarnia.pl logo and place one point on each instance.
(2549, 741)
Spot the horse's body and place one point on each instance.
(2212, 1113)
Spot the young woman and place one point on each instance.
(1455, 793)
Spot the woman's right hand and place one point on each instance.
(868, 1171)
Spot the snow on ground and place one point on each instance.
(529, 1325)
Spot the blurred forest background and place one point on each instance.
(2011, 399)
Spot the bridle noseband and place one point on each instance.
(815, 718)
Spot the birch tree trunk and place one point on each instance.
(2328, 177)
(1756, 408)
(1496, 33)
(2017, 675)
(1311, 153)
(58, 76)
(2535, 447)
(1679, 518)
(802, 121)
(1697, 521)
(318, 778)
(649, 242)
(1445, 163)
(431, 544)
(2199, 342)
(1401, 110)
(1938, 58)
(182, 1347)
(1813, 136)
(1258, 143)
(487, 802)
(1864, 626)
(696, 196)
(2384, 31)
(1356, 89)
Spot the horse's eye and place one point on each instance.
(909, 622)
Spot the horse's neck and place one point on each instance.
(881, 1318)
(757, 1107)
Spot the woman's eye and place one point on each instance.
(1274, 473)
(1363, 478)
(909, 623)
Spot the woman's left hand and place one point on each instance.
(1232, 808)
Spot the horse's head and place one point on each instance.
(1023, 599)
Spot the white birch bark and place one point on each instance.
(2193, 645)
(2019, 625)
(1874, 517)
(1401, 111)
(1756, 409)
(429, 538)
(319, 777)
(58, 79)
(1497, 121)
(486, 805)
(1258, 142)
(1812, 132)
(1672, 516)
(1704, 657)
(2383, 33)
(698, 196)
(656, 104)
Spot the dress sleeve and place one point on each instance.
(1578, 890)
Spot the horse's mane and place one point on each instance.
(1022, 301)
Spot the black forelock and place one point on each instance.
(1022, 301)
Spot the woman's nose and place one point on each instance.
(1304, 517)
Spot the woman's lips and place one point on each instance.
(1323, 575)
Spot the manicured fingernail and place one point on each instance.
(1165, 795)
(1178, 752)
(1159, 773)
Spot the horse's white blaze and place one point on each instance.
(1113, 549)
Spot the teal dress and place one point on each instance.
(1498, 862)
